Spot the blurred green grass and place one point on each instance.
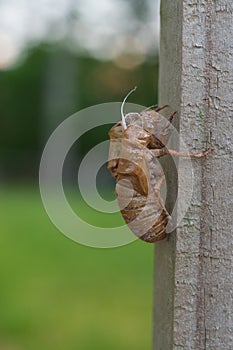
(57, 294)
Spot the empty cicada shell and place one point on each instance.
(135, 143)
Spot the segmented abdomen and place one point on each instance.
(140, 205)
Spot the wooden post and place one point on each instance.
(193, 295)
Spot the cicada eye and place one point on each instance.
(134, 118)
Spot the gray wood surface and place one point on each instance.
(193, 294)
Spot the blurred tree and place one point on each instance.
(47, 87)
(140, 9)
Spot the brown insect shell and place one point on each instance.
(130, 160)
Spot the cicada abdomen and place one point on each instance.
(138, 193)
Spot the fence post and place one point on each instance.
(193, 294)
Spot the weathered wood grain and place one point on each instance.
(193, 307)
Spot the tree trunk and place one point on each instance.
(193, 297)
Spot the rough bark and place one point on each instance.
(194, 269)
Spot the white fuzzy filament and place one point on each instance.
(122, 108)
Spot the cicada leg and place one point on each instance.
(160, 108)
(189, 154)
(171, 117)
(163, 151)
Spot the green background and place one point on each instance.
(56, 294)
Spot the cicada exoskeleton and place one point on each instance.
(135, 144)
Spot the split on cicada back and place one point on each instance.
(133, 118)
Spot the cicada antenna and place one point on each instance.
(122, 107)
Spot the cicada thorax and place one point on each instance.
(139, 176)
